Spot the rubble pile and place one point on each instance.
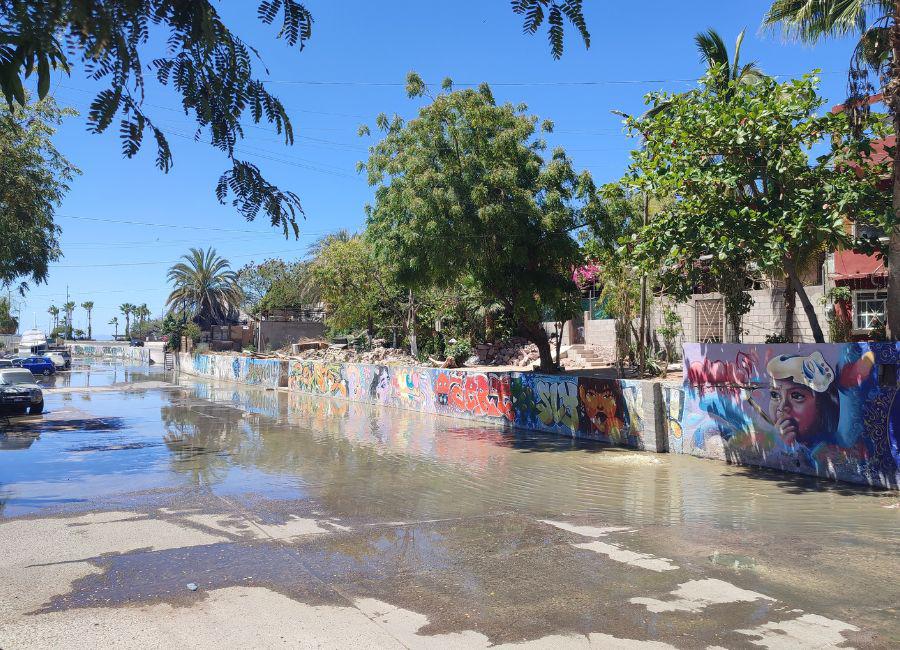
(377, 355)
(514, 351)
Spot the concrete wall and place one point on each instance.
(269, 373)
(613, 411)
(151, 352)
(765, 317)
(275, 334)
(827, 410)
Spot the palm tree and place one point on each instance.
(53, 310)
(714, 53)
(127, 310)
(142, 312)
(205, 284)
(88, 306)
(877, 22)
(115, 322)
(69, 308)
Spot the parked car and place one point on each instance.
(19, 392)
(58, 362)
(37, 365)
(6, 363)
(137, 343)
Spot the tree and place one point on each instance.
(69, 309)
(556, 13)
(212, 69)
(359, 292)
(205, 285)
(748, 194)
(877, 22)
(127, 309)
(54, 314)
(88, 306)
(141, 313)
(276, 284)
(8, 323)
(34, 177)
(464, 192)
(726, 69)
(114, 321)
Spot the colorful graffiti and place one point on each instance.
(817, 409)
(317, 378)
(232, 368)
(476, 394)
(123, 352)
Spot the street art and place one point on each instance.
(317, 378)
(603, 412)
(123, 352)
(474, 394)
(817, 409)
(546, 403)
(245, 370)
(411, 388)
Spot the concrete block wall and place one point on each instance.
(766, 316)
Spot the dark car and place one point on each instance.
(37, 365)
(137, 343)
(19, 392)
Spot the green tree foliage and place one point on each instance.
(8, 322)
(69, 309)
(749, 194)
(127, 309)
(88, 307)
(34, 177)
(211, 68)
(360, 292)
(878, 48)
(195, 53)
(556, 14)
(276, 284)
(205, 286)
(114, 321)
(463, 192)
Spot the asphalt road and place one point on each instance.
(147, 511)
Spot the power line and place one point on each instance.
(157, 262)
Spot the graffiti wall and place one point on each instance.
(600, 409)
(234, 368)
(827, 410)
(122, 352)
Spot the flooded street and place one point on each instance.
(142, 512)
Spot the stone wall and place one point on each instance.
(829, 410)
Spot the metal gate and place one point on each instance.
(710, 320)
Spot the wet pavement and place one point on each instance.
(308, 522)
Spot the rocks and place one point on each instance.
(514, 351)
(378, 355)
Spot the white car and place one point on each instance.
(19, 392)
(59, 361)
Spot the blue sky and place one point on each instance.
(363, 50)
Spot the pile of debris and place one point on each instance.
(514, 351)
(344, 354)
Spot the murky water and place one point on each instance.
(366, 464)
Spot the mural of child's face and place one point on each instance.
(792, 407)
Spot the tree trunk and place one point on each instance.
(892, 306)
(90, 330)
(535, 333)
(808, 307)
(411, 325)
(559, 326)
(790, 306)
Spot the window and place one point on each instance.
(868, 308)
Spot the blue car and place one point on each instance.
(37, 365)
